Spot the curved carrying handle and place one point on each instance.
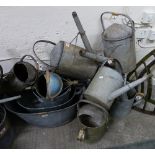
(116, 14)
(34, 52)
(36, 64)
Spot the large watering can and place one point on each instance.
(107, 85)
(119, 41)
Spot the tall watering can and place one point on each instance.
(119, 42)
(107, 85)
(22, 75)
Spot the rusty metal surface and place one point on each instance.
(73, 65)
(144, 66)
(94, 121)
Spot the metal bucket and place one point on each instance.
(66, 57)
(22, 75)
(119, 42)
(94, 120)
(6, 133)
(53, 118)
(106, 81)
(48, 85)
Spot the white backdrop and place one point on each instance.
(20, 27)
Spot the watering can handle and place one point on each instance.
(36, 64)
(43, 41)
(116, 14)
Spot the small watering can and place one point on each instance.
(22, 75)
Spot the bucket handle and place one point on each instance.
(116, 14)
(36, 64)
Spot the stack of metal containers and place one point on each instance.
(84, 83)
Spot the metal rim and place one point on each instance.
(45, 108)
(43, 113)
(96, 105)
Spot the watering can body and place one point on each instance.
(105, 81)
(70, 63)
(119, 42)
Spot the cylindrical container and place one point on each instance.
(6, 133)
(105, 81)
(68, 61)
(93, 119)
(22, 75)
(119, 42)
(32, 102)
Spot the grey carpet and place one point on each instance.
(135, 128)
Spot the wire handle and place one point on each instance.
(36, 64)
(116, 14)
(43, 41)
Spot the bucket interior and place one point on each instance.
(88, 120)
(92, 117)
(21, 72)
(41, 86)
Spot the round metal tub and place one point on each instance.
(52, 118)
(31, 102)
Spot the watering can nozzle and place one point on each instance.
(74, 14)
(128, 87)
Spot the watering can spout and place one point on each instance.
(94, 56)
(82, 32)
(128, 87)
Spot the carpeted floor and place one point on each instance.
(135, 128)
